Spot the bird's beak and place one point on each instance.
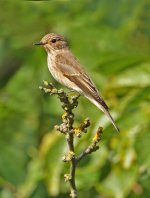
(39, 43)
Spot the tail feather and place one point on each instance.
(106, 111)
(111, 119)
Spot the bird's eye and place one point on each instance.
(53, 40)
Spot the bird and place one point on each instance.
(67, 70)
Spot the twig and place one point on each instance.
(71, 176)
(93, 147)
(69, 102)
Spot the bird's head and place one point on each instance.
(52, 42)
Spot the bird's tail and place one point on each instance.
(111, 119)
(105, 110)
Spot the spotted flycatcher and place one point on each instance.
(66, 69)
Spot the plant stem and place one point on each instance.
(70, 141)
(67, 128)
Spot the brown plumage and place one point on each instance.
(67, 70)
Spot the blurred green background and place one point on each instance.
(112, 40)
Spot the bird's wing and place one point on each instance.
(72, 70)
(70, 67)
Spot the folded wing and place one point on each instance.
(72, 70)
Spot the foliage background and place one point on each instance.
(112, 40)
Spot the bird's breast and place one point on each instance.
(54, 68)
